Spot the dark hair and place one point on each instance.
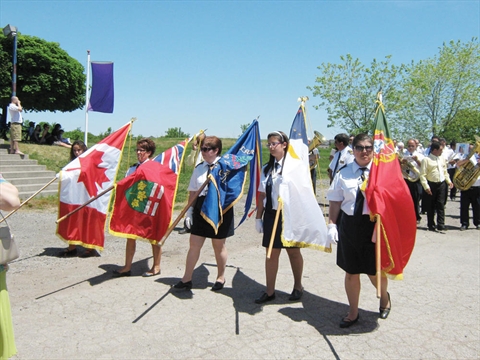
(362, 137)
(79, 143)
(342, 138)
(148, 145)
(213, 142)
(435, 145)
(280, 135)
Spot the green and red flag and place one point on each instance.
(386, 190)
(144, 200)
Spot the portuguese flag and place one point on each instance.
(144, 200)
(389, 198)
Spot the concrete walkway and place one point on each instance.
(74, 309)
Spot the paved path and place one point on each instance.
(74, 309)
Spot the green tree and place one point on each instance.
(442, 88)
(463, 127)
(48, 79)
(243, 128)
(348, 92)
(175, 133)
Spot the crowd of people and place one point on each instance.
(35, 133)
(429, 173)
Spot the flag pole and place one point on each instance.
(26, 201)
(184, 210)
(88, 202)
(378, 257)
(86, 97)
(274, 230)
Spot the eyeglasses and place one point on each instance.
(364, 148)
(205, 149)
(141, 150)
(273, 144)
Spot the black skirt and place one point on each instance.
(202, 228)
(356, 251)
(268, 220)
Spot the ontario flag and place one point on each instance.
(385, 190)
(144, 200)
(228, 177)
(303, 221)
(84, 178)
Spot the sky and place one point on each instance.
(218, 65)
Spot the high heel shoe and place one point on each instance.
(346, 322)
(181, 285)
(384, 312)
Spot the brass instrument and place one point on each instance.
(466, 175)
(316, 141)
(409, 171)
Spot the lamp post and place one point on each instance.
(11, 31)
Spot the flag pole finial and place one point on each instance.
(379, 95)
(303, 99)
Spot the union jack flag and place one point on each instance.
(172, 157)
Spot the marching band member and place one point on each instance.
(145, 150)
(211, 147)
(343, 156)
(278, 143)
(356, 251)
(410, 163)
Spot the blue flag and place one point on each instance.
(101, 98)
(228, 177)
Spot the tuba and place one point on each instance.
(409, 171)
(316, 141)
(466, 175)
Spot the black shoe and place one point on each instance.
(90, 253)
(218, 286)
(431, 228)
(384, 312)
(345, 323)
(181, 285)
(296, 295)
(265, 298)
(67, 253)
(117, 273)
(441, 228)
(463, 228)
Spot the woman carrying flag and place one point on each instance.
(145, 151)
(350, 213)
(211, 148)
(278, 143)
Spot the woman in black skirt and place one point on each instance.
(267, 208)
(350, 213)
(211, 148)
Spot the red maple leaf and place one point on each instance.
(91, 173)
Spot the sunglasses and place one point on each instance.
(205, 149)
(364, 148)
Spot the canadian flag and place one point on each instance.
(84, 178)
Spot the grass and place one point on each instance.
(56, 157)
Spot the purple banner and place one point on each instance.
(101, 97)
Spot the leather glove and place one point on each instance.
(259, 225)
(332, 234)
(189, 218)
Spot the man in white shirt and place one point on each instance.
(342, 157)
(412, 161)
(15, 109)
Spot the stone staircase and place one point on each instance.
(26, 174)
